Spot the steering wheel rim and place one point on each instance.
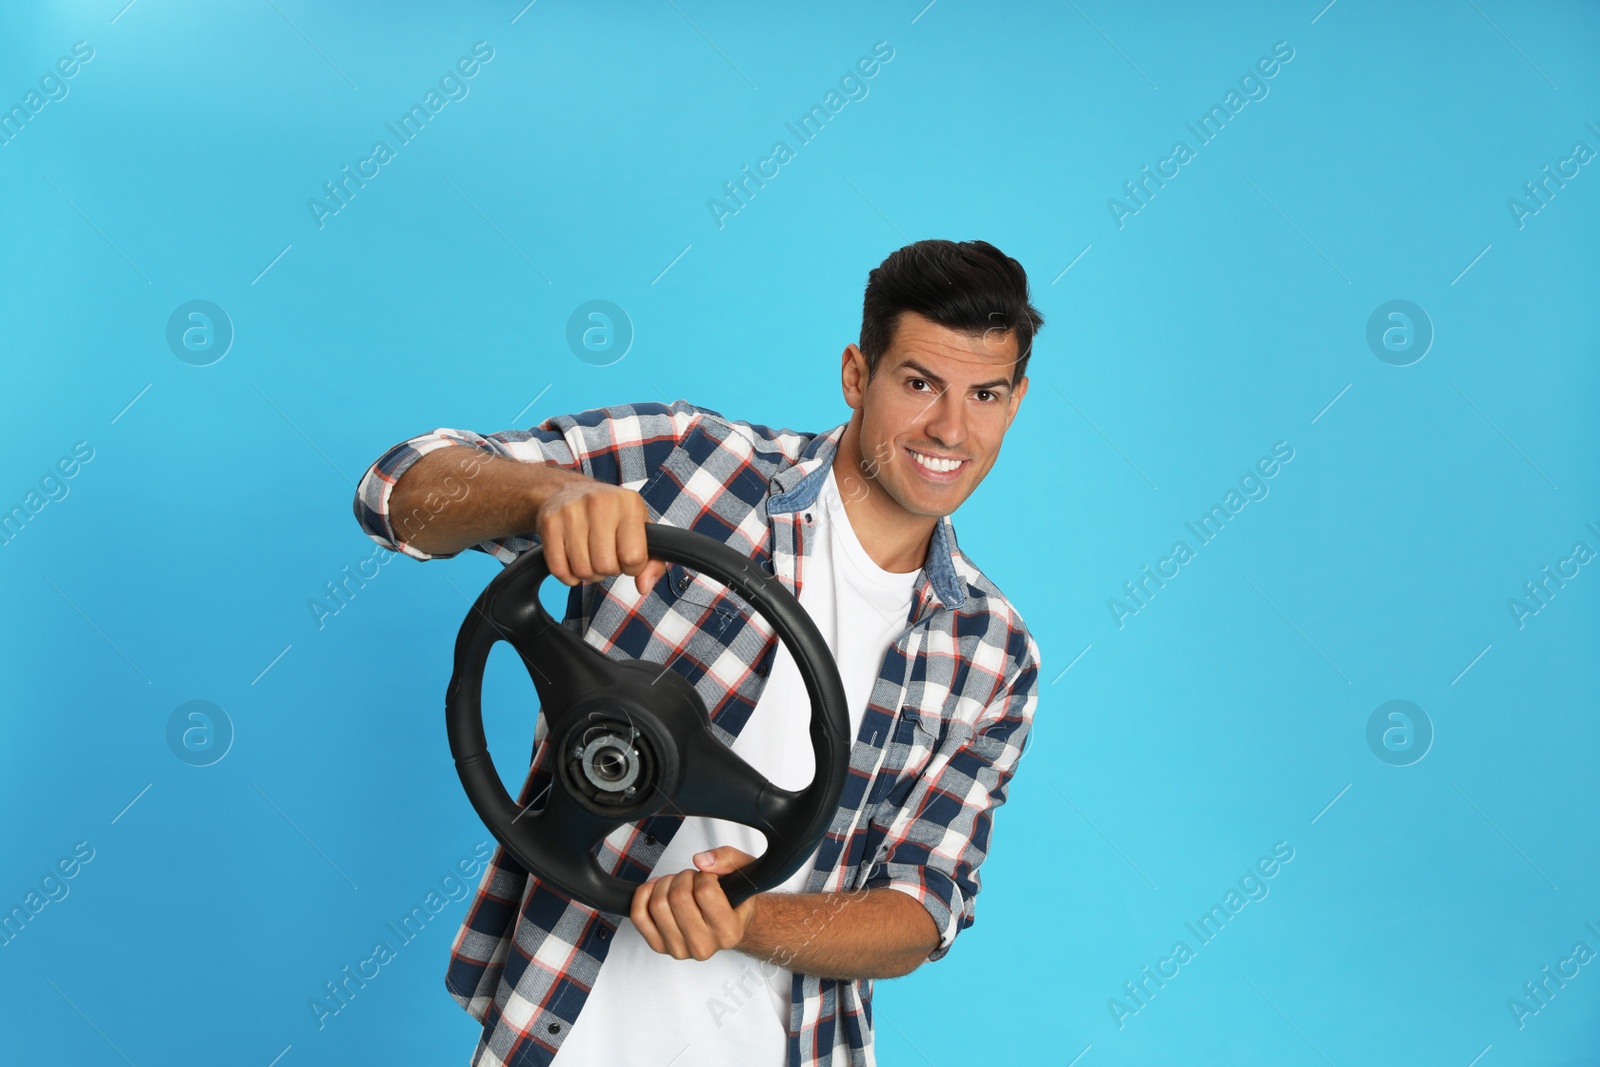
(629, 738)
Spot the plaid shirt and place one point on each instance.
(948, 716)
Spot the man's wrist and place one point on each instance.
(521, 489)
(783, 925)
(756, 941)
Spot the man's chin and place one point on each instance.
(930, 503)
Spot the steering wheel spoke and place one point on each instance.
(559, 843)
(717, 783)
(562, 665)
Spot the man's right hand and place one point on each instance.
(453, 498)
(592, 530)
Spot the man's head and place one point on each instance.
(946, 332)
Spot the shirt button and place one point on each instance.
(650, 839)
(554, 1028)
(603, 934)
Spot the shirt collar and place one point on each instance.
(796, 487)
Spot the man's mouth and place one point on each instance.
(937, 468)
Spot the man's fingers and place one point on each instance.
(555, 552)
(715, 910)
(666, 922)
(640, 914)
(698, 938)
(592, 531)
(604, 534)
(654, 570)
(633, 552)
(725, 859)
(687, 916)
(574, 540)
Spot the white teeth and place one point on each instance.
(943, 466)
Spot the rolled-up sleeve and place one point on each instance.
(940, 835)
(618, 444)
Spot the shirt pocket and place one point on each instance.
(691, 592)
(910, 746)
(707, 612)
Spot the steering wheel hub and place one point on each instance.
(611, 763)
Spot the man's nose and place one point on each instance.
(947, 420)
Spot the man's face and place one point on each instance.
(938, 395)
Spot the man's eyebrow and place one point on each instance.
(924, 372)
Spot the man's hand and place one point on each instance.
(687, 914)
(453, 498)
(591, 530)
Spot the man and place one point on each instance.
(940, 672)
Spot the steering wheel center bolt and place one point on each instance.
(611, 764)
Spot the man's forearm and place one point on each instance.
(873, 933)
(455, 497)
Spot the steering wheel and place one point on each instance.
(630, 738)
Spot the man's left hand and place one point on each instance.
(687, 914)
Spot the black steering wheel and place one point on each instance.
(629, 738)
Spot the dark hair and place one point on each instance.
(970, 286)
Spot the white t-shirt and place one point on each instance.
(649, 1009)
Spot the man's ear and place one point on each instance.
(853, 376)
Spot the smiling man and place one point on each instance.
(939, 670)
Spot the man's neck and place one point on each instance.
(896, 539)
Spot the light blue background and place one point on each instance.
(1227, 315)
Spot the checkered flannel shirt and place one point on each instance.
(944, 728)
